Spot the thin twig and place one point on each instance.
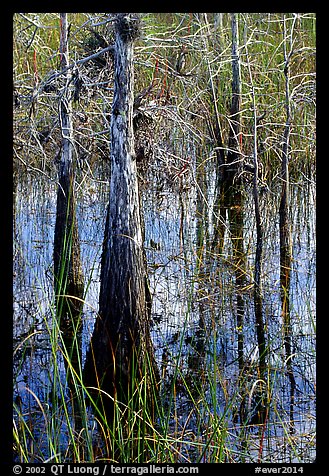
(80, 62)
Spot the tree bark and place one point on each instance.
(285, 237)
(261, 414)
(68, 275)
(121, 350)
(233, 154)
(228, 167)
(67, 264)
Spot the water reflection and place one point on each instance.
(203, 310)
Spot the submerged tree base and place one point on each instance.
(120, 361)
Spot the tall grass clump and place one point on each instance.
(66, 425)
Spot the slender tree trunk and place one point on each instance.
(285, 237)
(67, 264)
(213, 119)
(121, 351)
(236, 223)
(218, 22)
(228, 168)
(258, 298)
(233, 154)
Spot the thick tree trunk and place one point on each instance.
(121, 351)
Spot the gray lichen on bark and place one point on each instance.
(121, 340)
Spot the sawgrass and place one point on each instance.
(55, 423)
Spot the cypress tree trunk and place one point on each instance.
(285, 238)
(68, 276)
(121, 351)
(67, 265)
(262, 411)
(258, 297)
(236, 223)
(233, 154)
(227, 175)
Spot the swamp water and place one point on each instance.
(203, 318)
